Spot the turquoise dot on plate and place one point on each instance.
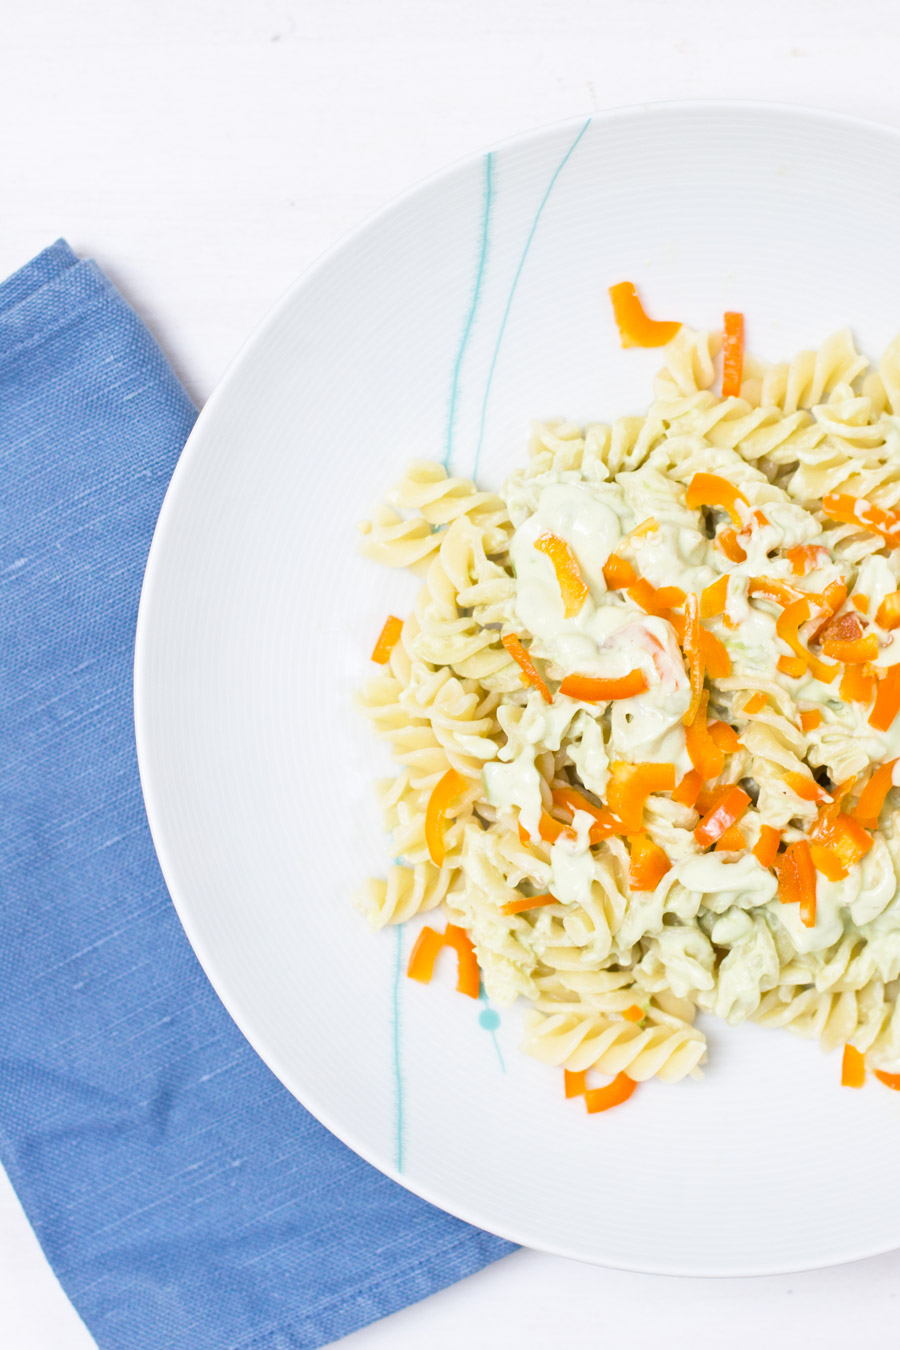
(489, 1019)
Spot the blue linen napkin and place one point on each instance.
(183, 1197)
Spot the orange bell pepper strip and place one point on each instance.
(838, 842)
(706, 757)
(888, 614)
(631, 784)
(887, 700)
(765, 850)
(726, 541)
(810, 719)
(830, 602)
(853, 1068)
(634, 1014)
(569, 799)
(788, 878)
(618, 573)
(528, 902)
(786, 626)
(387, 640)
(708, 489)
(529, 669)
(648, 864)
(794, 666)
(688, 790)
(856, 511)
(635, 328)
(725, 737)
(807, 789)
(732, 354)
(806, 874)
(710, 798)
(617, 1092)
(806, 558)
(656, 600)
(714, 655)
(773, 589)
(873, 795)
(572, 587)
(732, 841)
(855, 652)
(694, 655)
(755, 703)
(723, 815)
(590, 689)
(576, 1083)
(891, 1080)
(429, 943)
(857, 684)
(860, 602)
(549, 830)
(713, 598)
(443, 794)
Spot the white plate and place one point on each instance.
(481, 298)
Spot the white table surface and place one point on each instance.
(205, 151)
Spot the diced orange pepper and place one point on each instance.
(443, 794)
(805, 788)
(570, 799)
(618, 573)
(860, 602)
(705, 755)
(635, 328)
(853, 1068)
(838, 842)
(714, 655)
(688, 790)
(755, 703)
(725, 737)
(732, 354)
(794, 666)
(709, 798)
(855, 652)
(423, 955)
(656, 600)
(806, 558)
(887, 700)
(723, 815)
(708, 489)
(810, 719)
(732, 841)
(829, 602)
(857, 684)
(786, 626)
(549, 830)
(648, 865)
(806, 874)
(713, 598)
(873, 795)
(591, 689)
(773, 589)
(631, 784)
(727, 542)
(855, 511)
(575, 1083)
(765, 850)
(528, 902)
(845, 628)
(426, 948)
(387, 640)
(693, 654)
(618, 1091)
(888, 615)
(788, 878)
(529, 669)
(572, 587)
(891, 1080)
(634, 1014)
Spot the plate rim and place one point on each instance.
(142, 649)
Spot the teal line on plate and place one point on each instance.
(490, 1020)
(398, 1066)
(512, 290)
(487, 197)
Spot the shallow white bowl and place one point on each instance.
(469, 307)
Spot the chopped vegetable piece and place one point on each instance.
(714, 598)
(786, 626)
(888, 615)
(849, 842)
(861, 602)
(528, 902)
(656, 600)
(887, 700)
(829, 602)
(694, 655)
(708, 489)
(569, 799)
(853, 1068)
(576, 1083)
(588, 689)
(714, 655)
(618, 573)
(891, 1080)
(806, 876)
(727, 541)
(788, 878)
(549, 830)
(765, 850)
(635, 328)
(634, 1014)
(858, 511)
(732, 354)
(387, 640)
(855, 652)
(530, 671)
(794, 666)
(705, 755)
(755, 703)
(631, 784)
(805, 788)
(725, 737)
(618, 1091)
(422, 957)
(648, 865)
(772, 589)
(572, 588)
(806, 558)
(732, 841)
(872, 797)
(722, 816)
(857, 684)
(688, 790)
(469, 977)
(648, 526)
(810, 719)
(443, 794)
(710, 797)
